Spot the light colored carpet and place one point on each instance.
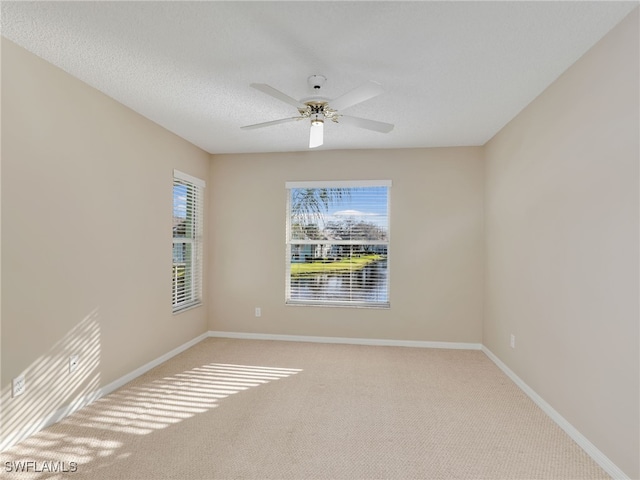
(246, 409)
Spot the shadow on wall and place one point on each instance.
(108, 430)
(49, 383)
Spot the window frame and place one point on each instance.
(192, 241)
(291, 243)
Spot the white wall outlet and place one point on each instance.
(73, 363)
(258, 312)
(19, 386)
(512, 341)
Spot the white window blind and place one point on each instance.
(337, 248)
(187, 240)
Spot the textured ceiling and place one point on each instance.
(454, 73)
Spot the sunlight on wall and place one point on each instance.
(51, 390)
(110, 425)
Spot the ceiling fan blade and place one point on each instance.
(272, 122)
(366, 123)
(360, 94)
(264, 88)
(316, 134)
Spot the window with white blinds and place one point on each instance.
(337, 249)
(187, 240)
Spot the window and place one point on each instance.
(338, 243)
(187, 240)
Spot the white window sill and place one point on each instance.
(187, 308)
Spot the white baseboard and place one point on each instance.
(349, 341)
(16, 437)
(591, 450)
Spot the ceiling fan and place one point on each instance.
(318, 109)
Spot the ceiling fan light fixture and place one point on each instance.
(316, 133)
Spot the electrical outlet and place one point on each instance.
(19, 386)
(73, 363)
(258, 312)
(512, 341)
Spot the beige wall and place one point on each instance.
(562, 220)
(86, 204)
(436, 250)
